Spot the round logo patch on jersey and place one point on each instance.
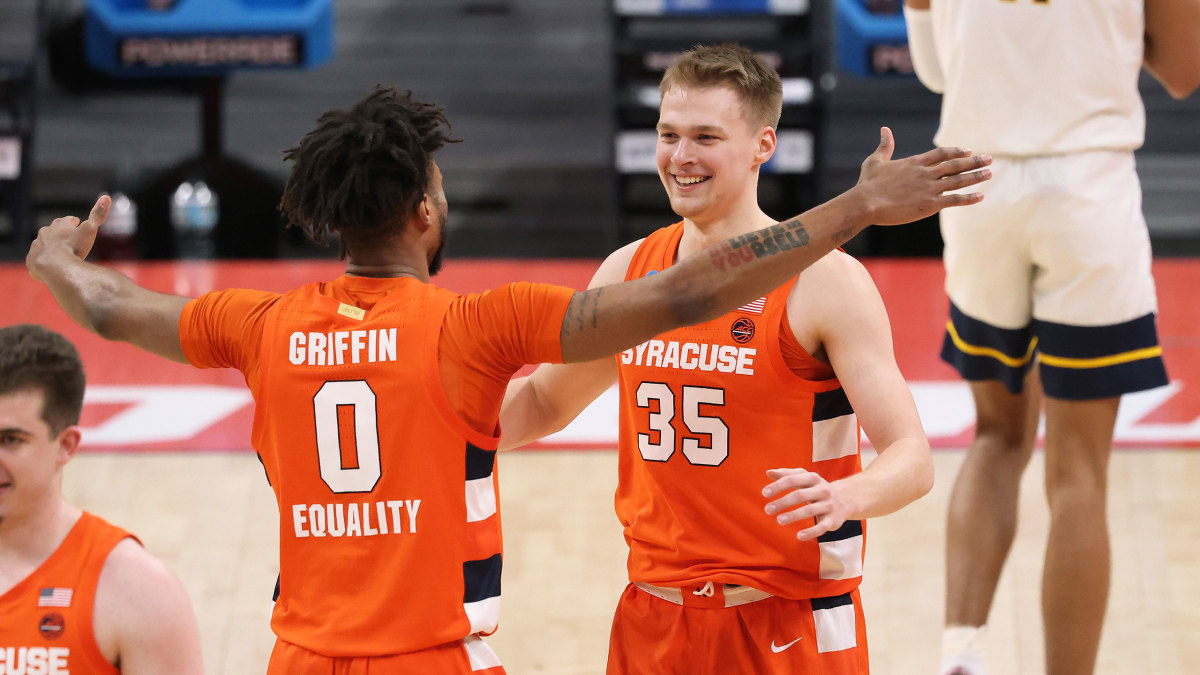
(52, 625)
(742, 330)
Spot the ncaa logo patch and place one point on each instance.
(52, 626)
(742, 330)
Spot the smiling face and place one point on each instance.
(31, 454)
(709, 152)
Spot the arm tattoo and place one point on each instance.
(845, 235)
(776, 239)
(583, 309)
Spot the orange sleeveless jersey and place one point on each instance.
(389, 526)
(705, 411)
(46, 619)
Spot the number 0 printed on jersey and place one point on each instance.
(347, 436)
(696, 405)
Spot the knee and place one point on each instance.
(1008, 439)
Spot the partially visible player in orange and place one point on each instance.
(377, 394)
(77, 595)
(741, 487)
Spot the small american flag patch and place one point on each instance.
(755, 307)
(55, 597)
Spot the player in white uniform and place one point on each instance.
(1052, 268)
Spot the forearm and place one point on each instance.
(705, 285)
(546, 401)
(86, 292)
(739, 270)
(110, 304)
(525, 416)
(901, 474)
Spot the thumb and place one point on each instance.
(887, 144)
(99, 212)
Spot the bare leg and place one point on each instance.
(982, 519)
(1075, 580)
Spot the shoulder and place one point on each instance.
(834, 295)
(616, 265)
(133, 579)
(835, 271)
(138, 597)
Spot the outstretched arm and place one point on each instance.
(102, 300)
(603, 321)
(1173, 44)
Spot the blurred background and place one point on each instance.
(184, 106)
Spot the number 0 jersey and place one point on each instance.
(46, 623)
(389, 526)
(706, 410)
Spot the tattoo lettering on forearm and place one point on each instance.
(785, 236)
(583, 309)
(845, 235)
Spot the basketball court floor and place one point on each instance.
(166, 455)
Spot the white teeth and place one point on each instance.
(690, 180)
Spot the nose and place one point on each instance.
(683, 155)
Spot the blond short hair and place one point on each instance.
(730, 65)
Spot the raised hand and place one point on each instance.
(903, 190)
(67, 234)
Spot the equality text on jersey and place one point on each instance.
(361, 519)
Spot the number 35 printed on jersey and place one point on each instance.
(694, 402)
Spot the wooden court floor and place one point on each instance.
(211, 517)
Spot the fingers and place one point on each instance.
(959, 199)
(822, 526)
(887, 143)
(65, 221)
(789, 479)
(964, 180)
(962, 165)
(100, 210)
(939, 156)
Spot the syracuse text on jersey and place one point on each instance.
(691, 356)
(343, 346)
(35, 660)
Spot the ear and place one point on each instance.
(424, 215)
(68, 444)
(767, 141)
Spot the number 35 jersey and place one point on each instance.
(389, 524)
(706, 410)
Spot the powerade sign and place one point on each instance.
(210, 51)
(650, 7)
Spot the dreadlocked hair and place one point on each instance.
(363, 169)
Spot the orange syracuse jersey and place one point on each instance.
(46, 619)
(706, 410)
(389, 526)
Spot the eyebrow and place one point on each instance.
(701, 128)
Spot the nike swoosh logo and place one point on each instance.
(776, 649)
